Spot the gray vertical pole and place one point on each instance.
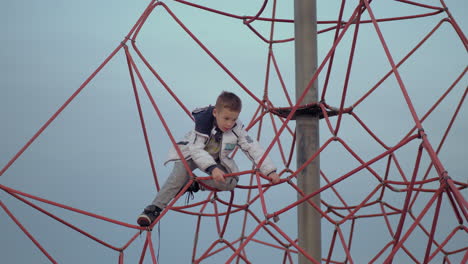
(307, 127)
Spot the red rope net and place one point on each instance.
(382, 200)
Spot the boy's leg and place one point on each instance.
(176, 180)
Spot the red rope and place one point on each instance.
(26, 232)
(394, 179)
(142, 119)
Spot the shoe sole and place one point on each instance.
(144, 220)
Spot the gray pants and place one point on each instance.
(179, 177)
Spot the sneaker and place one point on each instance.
(150, 213)
(194, 187)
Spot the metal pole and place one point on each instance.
(307, 128)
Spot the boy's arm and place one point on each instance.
(255, 152)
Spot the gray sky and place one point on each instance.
(93, 156)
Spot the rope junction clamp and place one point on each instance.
(308, 109)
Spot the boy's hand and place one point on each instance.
(217, 175)
(274, 178)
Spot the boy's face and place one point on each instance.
(225, 118)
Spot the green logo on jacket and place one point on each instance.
(230, 146)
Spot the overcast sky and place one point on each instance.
(93, 155)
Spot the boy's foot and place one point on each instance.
(150, 213)
(194, 187)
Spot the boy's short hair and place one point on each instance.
(230, 101)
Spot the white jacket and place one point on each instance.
(192, 147)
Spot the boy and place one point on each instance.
(217, 132)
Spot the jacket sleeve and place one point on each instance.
(253, 150)
(198, 153)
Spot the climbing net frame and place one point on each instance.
(427, 175)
